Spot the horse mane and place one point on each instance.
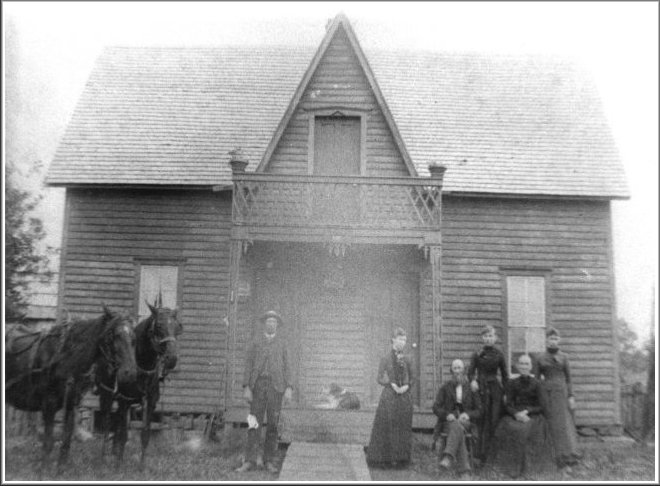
(78, 347)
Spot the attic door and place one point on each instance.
(337, 145)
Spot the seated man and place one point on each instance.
(457, 407)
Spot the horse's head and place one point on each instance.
(118, 345)
(165, 328)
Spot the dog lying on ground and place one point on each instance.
(338, 398)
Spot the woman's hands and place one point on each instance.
(247, 394)
(522, 416)
(474, 386)
(571, 403)
(399, 389)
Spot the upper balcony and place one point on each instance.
(337, 208)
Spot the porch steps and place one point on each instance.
(313, 461)
(328, 426)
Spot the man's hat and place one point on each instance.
(551, 331)
(274, 314)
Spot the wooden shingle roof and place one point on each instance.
(507, 125)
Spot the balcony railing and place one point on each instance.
(336, 201)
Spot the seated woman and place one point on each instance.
(522, 438)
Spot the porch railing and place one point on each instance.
(337, 201)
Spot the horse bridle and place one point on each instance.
(157, 347)
(157, 343)
(112, 361)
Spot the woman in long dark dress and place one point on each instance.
(482, 374)
(391, 434)
(554, 371)
(522, 437)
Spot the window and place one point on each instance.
(526, 316)
(337, 145)
(155, 280)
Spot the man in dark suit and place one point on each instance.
(267, 381)
(457, 408)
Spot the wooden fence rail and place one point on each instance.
(633, 403)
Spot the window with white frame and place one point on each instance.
(526, 317)
(157, 280)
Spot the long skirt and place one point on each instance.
(491, 394)
(391, 434)
(522, 447)
(560, 421)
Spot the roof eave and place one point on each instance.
(537, 195)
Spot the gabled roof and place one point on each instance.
(340, 21)
(164, 116)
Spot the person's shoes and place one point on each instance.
(272, 468)
(445, 462)
(245, 467)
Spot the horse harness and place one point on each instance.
(22, 332)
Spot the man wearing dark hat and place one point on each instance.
(266, 382)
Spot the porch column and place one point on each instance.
(235, 249)
(437, 172)
(238, 162)
(434, 256)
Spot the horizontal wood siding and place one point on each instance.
(109, 231)
(338, 81)
(481, 237)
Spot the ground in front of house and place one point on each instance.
(178, 456)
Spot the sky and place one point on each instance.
(50, 48)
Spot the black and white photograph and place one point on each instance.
(330, 241)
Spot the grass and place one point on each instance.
(192, 459)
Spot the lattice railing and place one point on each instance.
(347, 201)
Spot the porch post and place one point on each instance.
(434, 256)
(235, 248)
(437, 172)
(238, 162)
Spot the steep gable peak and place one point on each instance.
(337, 26)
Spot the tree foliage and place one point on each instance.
(25, 259)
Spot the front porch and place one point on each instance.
(344, 259)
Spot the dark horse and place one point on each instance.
(48, 370)
(156, 355)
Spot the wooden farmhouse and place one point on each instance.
(344, 219)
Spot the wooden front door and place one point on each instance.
(392, 300)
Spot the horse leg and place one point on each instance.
(105, 412)
(148, 407)
(48, 413)
(69, 424)
(121, 432)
